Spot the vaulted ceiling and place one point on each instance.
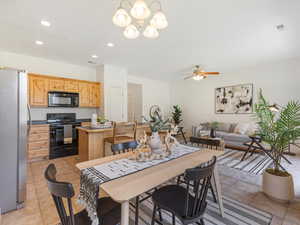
(218, 34)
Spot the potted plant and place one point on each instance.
(176, 115)
(213, 127)
(278, 128)
(156, 124)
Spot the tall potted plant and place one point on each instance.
(278, 129)
(176, 115)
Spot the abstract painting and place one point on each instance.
(236, 99)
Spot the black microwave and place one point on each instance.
(63, 99)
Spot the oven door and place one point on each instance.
(63, 140)
(62, 99)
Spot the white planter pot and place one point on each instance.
(277, 187)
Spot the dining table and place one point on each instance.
(125, 188)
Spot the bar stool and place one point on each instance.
(123, 132)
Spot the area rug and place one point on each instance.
(236, 213)
(255, 164)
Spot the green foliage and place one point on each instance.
(214, 125)
(156, 122)
(176, 114)
(278, 130)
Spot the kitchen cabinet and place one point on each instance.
(71, 85)
(90, 93)
(38, 89)
(84, 94)
(38, 142)
(95, 95)
(56, 85)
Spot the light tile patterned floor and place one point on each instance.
(40, 209)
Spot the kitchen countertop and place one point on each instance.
(40, 122)
(99, 130)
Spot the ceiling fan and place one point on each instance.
(199, 74)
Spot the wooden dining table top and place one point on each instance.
(125, 188)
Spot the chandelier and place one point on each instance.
(140, 19)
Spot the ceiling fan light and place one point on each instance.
(150, 32)
(140, 10)
(121, 18)
(131, 32)
(159, 21)
(198, 77)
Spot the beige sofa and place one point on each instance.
(234, 134)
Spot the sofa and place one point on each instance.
(233, 134)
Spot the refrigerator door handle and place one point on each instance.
(30, 120)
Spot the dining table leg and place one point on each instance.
(217, 185)
(125, 213)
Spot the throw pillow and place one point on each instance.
(232, 127)
(205, 126)
(223, 127)
(241, 128)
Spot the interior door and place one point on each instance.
(116, 104)
(135, 102)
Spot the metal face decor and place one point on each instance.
(236, 99)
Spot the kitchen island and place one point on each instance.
(91, 141)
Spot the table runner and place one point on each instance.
(92, 177)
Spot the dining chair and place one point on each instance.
(109, 214)
(118, 149)
(178, 200)
(123, 132)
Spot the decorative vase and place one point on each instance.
(278, 187)
(155, 143)
(212, 133)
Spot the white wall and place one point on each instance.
(155, 92)
(279, 81)
(54, 68)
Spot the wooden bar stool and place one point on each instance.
(123, 132)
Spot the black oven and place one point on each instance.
(63, 99)
(63, 134)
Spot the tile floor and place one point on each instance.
(40, 209)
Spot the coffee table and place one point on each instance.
(208, 142)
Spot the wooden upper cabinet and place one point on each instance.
(71, 86)
(95, 95)
(89, 92)
(56, 85)
(84, 94)
(38, 90)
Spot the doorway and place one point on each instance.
(135, 102)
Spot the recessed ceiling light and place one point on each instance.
(39, 42)
(92, 62)
(110, 44)
(280, 27)
(45, 23)
(94, 56)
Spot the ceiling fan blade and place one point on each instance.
(188, 77)
(211, 73)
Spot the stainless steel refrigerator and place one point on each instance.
(13, 138)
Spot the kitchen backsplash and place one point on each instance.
(81, 113)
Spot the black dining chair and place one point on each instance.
(108, 214)
(180, 202)
(129, 146)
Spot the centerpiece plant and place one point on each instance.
(278, 128)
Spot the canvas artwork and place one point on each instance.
(236, 99)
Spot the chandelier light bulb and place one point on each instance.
(198, 77)
(159, 21)
(121, 18)
(131, 32)
(151, 32)
(140, 10)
